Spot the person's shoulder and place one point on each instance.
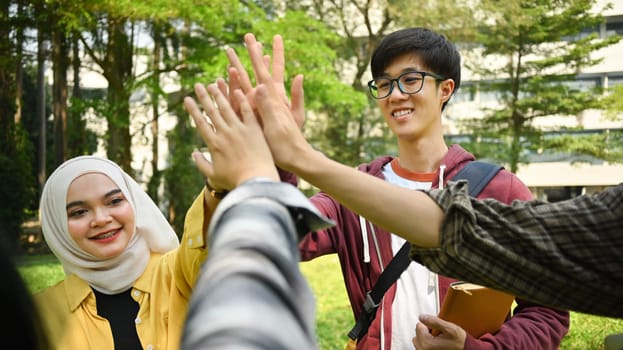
(53, 300)
(161, 263)
(509, 177)
(510, 184)
(70, 290)
(54, 289)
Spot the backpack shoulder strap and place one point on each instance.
(394, 269)
(478, 174)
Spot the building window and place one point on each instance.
(583, 84)
(466, 93)
(488, 96)
(613, 28)
(583, 34)
(557, 194)
(615, 80)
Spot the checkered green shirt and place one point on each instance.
(567, 255)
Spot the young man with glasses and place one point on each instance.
(415, 72)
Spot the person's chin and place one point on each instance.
(112, 251)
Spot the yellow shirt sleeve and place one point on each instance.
(192, 250)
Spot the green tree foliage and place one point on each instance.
(111, 34)
(182, 179)
(334, 107)
(454, 19)
(543, 45)
(612, 103)
(346, 126)
(603, 145)
(17, 186)
(195, 49)
(16, 180)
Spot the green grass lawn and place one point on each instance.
(333, 314)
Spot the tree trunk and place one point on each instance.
(118, 71)
(60, 65)
(7, 85)
(76, 127)
(19, 49)
(155, 128)
(41, 53)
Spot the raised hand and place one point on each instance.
(280, 126)
(240, 79)
(236, 143)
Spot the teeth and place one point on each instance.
(106, 235)
(402, 112)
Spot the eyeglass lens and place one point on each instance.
(408, 83)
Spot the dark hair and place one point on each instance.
(438, 54)
(22, 323)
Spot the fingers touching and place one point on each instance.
(254, 48)
(236, 143)
(278, 63)
(227, 117)
(298, 101)
(242, 79)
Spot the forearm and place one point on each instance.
(543, 252)
(410, 214)
(251, 293)
(532, 326)
(245, 295)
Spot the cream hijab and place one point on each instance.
(152, 232)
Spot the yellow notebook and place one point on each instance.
(475, 308)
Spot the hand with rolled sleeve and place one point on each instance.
(250, 293)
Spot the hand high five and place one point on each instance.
(240, 79)
(236, 143)
(243, 120)
(281, 124)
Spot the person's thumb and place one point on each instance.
(434, 323)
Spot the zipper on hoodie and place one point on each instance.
(442, 170)
(364, 237)
(433, 280)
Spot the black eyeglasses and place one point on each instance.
(408, 83)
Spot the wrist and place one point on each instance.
(215, 193)
(258, 179)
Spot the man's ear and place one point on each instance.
(446, 88)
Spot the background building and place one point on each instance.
(559, 176)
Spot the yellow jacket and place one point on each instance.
(69, 310)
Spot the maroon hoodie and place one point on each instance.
(531, 327)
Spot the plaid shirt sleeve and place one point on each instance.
(567, 255)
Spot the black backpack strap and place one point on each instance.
(478, 174)
(391, 273)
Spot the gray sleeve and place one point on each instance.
(250, 293)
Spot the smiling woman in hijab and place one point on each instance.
(127, 277)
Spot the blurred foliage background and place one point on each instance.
(149, 54)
